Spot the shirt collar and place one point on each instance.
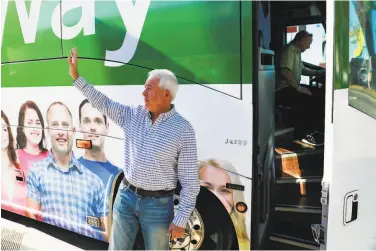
(295, 47)
(166, 115)
(73, 164)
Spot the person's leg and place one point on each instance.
(125, 224)
(156, 215)
(298, 102)
(317, 109)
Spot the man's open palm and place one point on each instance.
(72, 60)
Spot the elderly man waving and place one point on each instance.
(159, 148)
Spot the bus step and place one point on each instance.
(283, 242)
(297, 191)
(302, 205)
(299, 164)
(296, 225)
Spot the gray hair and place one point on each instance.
(167, 80)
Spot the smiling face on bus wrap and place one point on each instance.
(93, 125)
(60, 129)
(32, 127)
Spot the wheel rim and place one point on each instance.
(194, 232)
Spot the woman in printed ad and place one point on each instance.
(214, 177)
(13, 185)
(31, 139)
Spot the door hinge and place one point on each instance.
(324, 193)
(318, 233)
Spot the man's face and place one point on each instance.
(154, 96)
(306, 43)
(60, 129)
(93, 125)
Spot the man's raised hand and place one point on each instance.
(72, 60)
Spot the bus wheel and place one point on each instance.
(209, 227)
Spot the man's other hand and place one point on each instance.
(305, 91)
(175, 231)
(72, 60)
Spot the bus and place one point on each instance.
(261, 188)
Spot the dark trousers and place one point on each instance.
(308, 111)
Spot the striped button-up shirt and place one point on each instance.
(67, 197)
(156, 154)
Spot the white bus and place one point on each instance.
(260, 186)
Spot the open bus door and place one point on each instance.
(263, 128)
(348, 188)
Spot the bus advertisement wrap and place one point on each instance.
(29, 135)
(42, 111)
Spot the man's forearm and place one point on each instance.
(33, 209)
(188, 176)
(95, 97)
(290, 78)
(309, 72)
(115, 111)
(186, 205)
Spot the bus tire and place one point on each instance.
(211, 227)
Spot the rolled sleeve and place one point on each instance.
(119, 113)
(33, 185)
(188, 176)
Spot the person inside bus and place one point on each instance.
(31, 139)
(13, 185)
(308, 103)
(214, 177)
(159, 148)
(63, 191)
(94, 126)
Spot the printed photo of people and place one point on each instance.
(31, 139)
(13, 185)
(94, 126)
(60, 188)
(214, 177)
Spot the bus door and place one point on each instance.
(348, 189)
(263, 96)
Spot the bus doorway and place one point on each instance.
(299, 158)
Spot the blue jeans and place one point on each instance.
(154, 215)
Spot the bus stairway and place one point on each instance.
(299, 171)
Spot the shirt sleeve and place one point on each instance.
(119, 113)
(33, 185)
(287, 58)
(101, 201)
(188, 176)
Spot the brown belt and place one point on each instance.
(146, 193)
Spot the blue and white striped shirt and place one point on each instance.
(155, 155)
(66, 198)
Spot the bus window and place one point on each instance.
(362, 58)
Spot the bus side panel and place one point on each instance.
(207, 67)
(221, 126)
(354, 158)
(352, 203)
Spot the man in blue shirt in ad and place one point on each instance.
(94, 126)
(61, 189)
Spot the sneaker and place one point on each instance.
(314, 138)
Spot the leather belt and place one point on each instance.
(147, 193)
